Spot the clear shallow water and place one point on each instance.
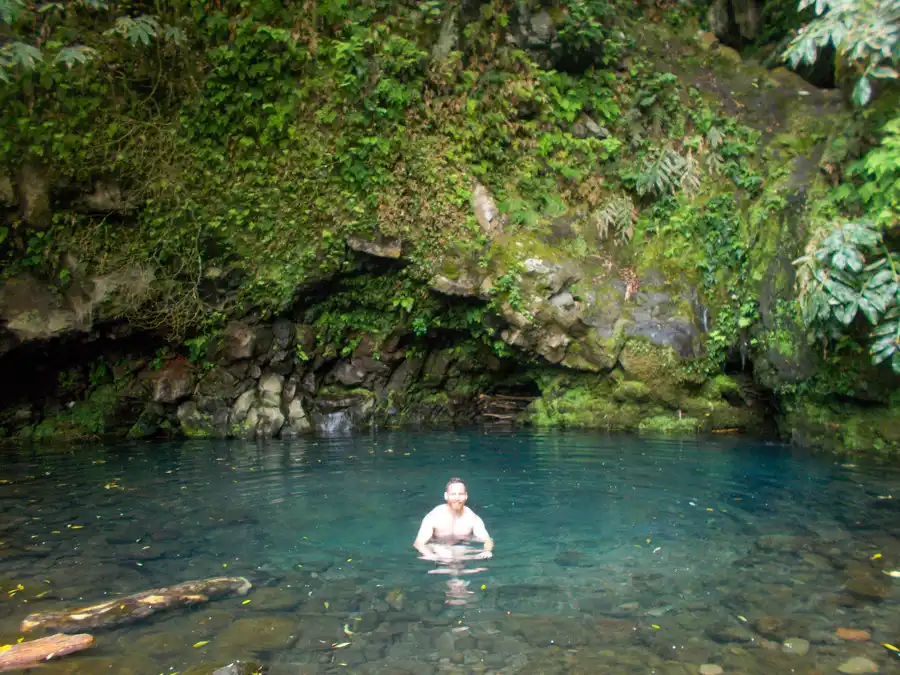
(613, 554)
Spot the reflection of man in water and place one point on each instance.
(444, 536)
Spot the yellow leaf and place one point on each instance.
(245, 602)
(876, 556)
(224, 565)
(340, 645)
(349, 559)
(201, 644)
(648, 540)
(326, 604)
(742, 618)
(20, 640)
(76, 527)
(483, 586)
(891, 647)
(655, 627)
(3, 648)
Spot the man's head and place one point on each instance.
(455, 494)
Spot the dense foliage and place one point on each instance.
(865, 33)
(248, 141)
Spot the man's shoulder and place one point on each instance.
(469, 513)
(437, 512)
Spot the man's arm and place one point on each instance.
(426, 530)
(479, 531)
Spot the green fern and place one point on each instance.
(618, 216)
(667, 172)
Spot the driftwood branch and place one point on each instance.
(34, 652)
(138, 606)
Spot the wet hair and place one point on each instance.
(454, 481)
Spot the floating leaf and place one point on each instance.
(202, 643)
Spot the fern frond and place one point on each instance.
(618, 216)
(690, 176)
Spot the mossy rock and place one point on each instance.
(634, 391)
(86, 420)
(670, 425)
(846, 429)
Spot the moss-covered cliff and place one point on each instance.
(270, 216)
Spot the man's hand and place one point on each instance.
(484, 554)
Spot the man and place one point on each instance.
(449, 524)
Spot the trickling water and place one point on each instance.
(334, 423)
(614, 554)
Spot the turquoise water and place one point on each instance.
(614, 554)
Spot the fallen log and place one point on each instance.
(138, 606)
(31, 653)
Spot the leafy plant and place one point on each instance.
(865, 34)
(850, 272)
(666, 172)
(617, 216)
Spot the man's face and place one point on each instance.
(456, 496)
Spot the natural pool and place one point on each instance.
(614, 554)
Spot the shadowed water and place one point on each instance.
(613, 554)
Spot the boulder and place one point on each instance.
(348, 373)
(239, 341)
(196, 423)
(486, 212)
(378, 246)
(466, 284)
(270, 386)
(297, 422)
(218, 383)
(33, 192)
(262, 421)
(106, 197)
(173, 382)
(283, 334)
(735, 22)
(7, 192)
(435, 367)
(405, 374)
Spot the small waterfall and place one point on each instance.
(334, 423)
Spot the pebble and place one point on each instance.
(711, 669)
(853, 634)
(796, 646)
(858, 665)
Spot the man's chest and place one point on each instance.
(448, 525)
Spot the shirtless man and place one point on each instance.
(449, 524)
